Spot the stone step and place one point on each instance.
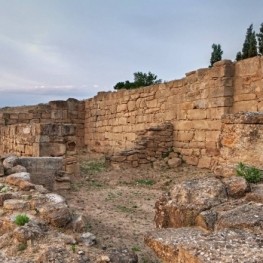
(193, 245)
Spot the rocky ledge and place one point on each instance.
(209, 220)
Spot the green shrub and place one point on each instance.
(250, 173)
(21, 220)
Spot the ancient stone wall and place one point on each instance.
(18, 124)
(194, 105)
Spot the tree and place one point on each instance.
(260, 40)
(216, 55)
(249, 49)
(140, 80)
(238, 56)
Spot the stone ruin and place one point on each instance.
(211, 119)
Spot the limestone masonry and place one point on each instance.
(213, 117)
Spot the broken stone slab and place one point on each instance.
(21, 180)
(15, 204)
(187, 245)
(186, 200)
(246, 216)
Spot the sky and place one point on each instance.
(59, 49)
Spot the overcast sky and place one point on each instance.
(56, 49)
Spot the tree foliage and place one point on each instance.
(216, 54)
(249, 49)
(140, 80)
(260, 40)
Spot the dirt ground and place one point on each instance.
(119, 204)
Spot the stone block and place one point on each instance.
(245, 106)
(204, 162)
(196, 114)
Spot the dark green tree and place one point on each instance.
(260, 40)
(216, 54)
(238, 56)
(140, 80)
(250, 45)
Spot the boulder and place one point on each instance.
(15, 204)
(21, 180)
(118, 255)
(56, 214)
(5, 196)
(186, 200)
(10, 161)
(256, 194)
(29, 231)
(2, 172)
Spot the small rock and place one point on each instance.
(5, 196)
(41, 189)
(55, 198)
(79, 223)
(174, 162)
(55, 255)
(120, 255)
(88, 239)
(236, 186)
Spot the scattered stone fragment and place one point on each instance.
(236, 186)
(88, 239)
(122, 255)
(174, 162)
(30, 231)
(55, 198)
(55, 254)
(56, 214)
(79, 223)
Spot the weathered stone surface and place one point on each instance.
(174, 162)
(56, 214)
(10, 161)
(256, 194)
(30, 231)
(15, 169)
(2, 173)
(187, 199)
(191, 245)
(15, 204)
(236, 186)
(55, 198)
(247, 216)
(54, 254)
(5, 196)
(120, 255)
(21, 180)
